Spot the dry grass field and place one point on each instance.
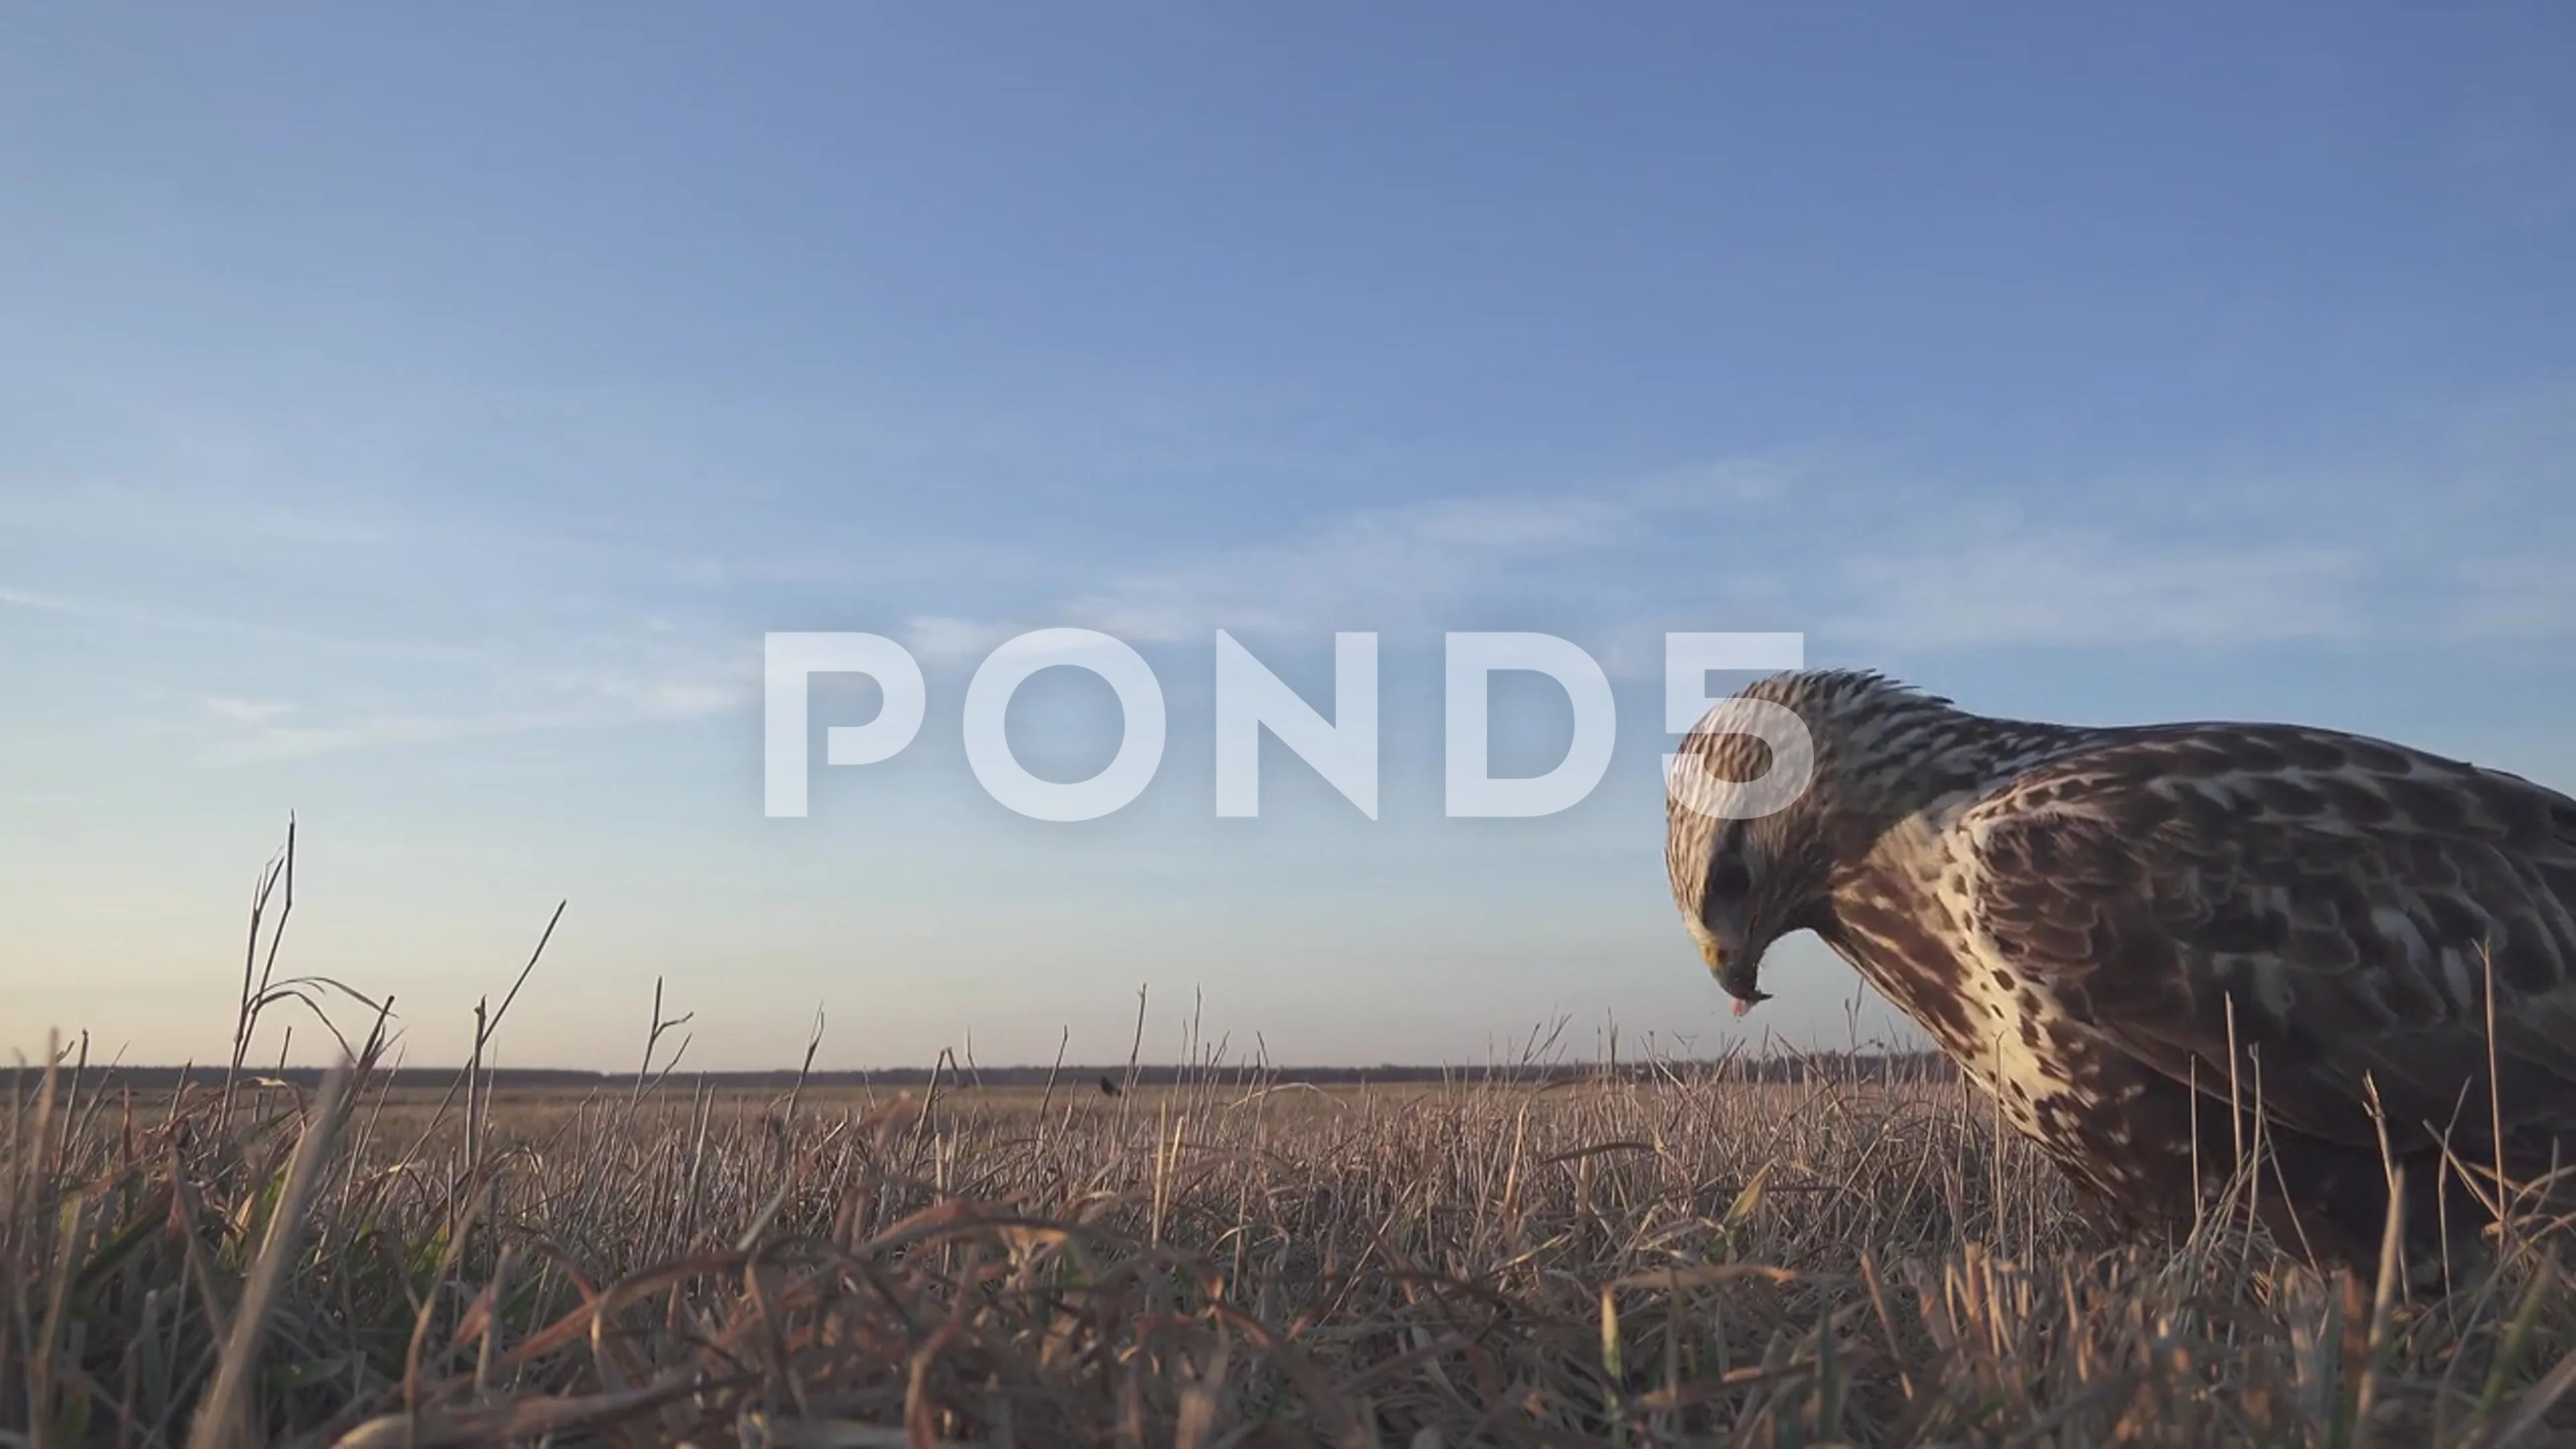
(1671, 1256)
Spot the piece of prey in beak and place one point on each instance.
(1738, 971)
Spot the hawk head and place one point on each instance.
(1773, 790)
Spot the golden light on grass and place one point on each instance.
(1666, 1252)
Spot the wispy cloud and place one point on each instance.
(1825, 542)
(1422, 566)
(247, 711)
(1817, 548)
(30, 599)
(945, 639)
(2056, 586)
(278, 736)
(237, 522)
(710, 687)
(168, 619)
(263, 731)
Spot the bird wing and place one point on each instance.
(2316, 908)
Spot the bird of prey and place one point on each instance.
(2147, 941)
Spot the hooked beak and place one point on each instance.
(1737, 967)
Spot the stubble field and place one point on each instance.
(1674, 1254)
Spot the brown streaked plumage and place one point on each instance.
(2099, 925)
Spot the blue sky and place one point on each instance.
(413, 419)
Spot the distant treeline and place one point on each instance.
(1836, 1066)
